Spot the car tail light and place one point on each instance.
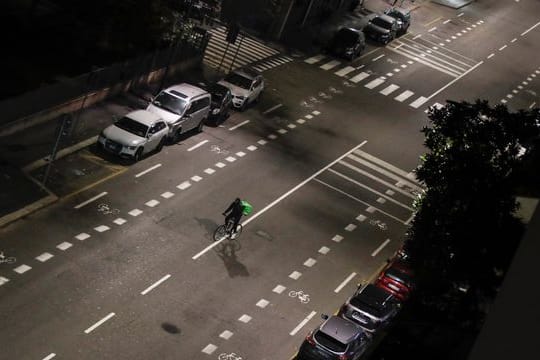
(309, 338)
(344, 357)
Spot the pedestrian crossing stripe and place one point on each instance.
(345, 71)
(359, 77)
(404, 96)
(389, 89)
(374, 83)
(314, 59)
(418, 102)
(329, 65)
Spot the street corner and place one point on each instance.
(79, 171)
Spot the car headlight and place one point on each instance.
(349, 51)
(131, 147)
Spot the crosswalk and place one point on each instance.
(246, 50)
(272, 62)
(386, 191)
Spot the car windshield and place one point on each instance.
(329, 342)
(239, 80)
(346, 37)
(132, 126)
(380, 22)
(217, 92)
(170, 103)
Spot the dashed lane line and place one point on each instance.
(302, 323)
(345, 282)
(197, 145)
(154, 285)
(238, 125)
(159, 165)
(84, 203)
(97, 324)
(374, 253)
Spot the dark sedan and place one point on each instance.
(382, 28)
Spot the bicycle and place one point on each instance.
(231, 356)
(218, 150)
(7, 260)
(106, 210)
(303, 297)
(381, 225)
(225, 231)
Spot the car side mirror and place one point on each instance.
(324, 316)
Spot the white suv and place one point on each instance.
(184, 107)
(246, 86)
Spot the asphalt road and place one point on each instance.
(322, 158)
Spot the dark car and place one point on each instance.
(403, 17)
(371, 307)
(382, 28)
(397, 279)
(348, 43)
(334, 339)
(220, 104)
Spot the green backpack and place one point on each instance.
(246, 207)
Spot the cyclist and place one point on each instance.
(235, 211)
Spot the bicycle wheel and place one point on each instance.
(238, 231)
(220, 233)
(293, 293)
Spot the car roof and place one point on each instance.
(340, 329)
(185, 91)
(248, 72)
(373, 300)
(144, 117)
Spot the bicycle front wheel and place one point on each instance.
(238, 231)
(220, 233)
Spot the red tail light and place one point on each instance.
(344, 357)
(309, 338)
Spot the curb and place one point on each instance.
(27, 210)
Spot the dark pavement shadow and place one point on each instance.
(227, 252)
(170, 328)
(209, 225)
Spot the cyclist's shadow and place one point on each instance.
(208, 225)
(226, 250)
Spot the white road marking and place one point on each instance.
(251, 148)
(282, 131)
(44, 257)
(240, 154)
(135, 212)
(209, 171)
(378, 57)
(152, 203)
(150, 169)
(532, 105)
(515, 91)
(279, 289)
(93, 327)
(302, 323)
(389, 89)
(529, 29)
(490, 55)
(273, 203)
(102, 228)
(416, 37)
(418, 102)
(389, 192)
(389, 74)
(209, 349)
(226, 334)
(295, 275)
(154, 285)
(373, 254)
(359, 77)
(90, 200)
(272, 136)
(272, 109)
(49, 357)
(381, 200)
(404, 96)
(404, 66)
(409, 220)
(456, 79)
(220, 165)
(360, 201)
(330, 65)
(120, 221)
(460, 14)
(315, 112)
(310, 262)
(22, 269)
(446, 21)
(324, 250)
(309, 117)
(262, 303)
(374, 83)
(344, 71)
(238, 125)
(230, 159)
(503, 47)
(3, 280)
(196, 178)
(345, 282)
(291, 126)
(184, 185)
(167, 195)
(262, 142)
(245, 318)
(64, 246)
(432, 29)
(337, 238)
(504, 101)
(314, 59)
(82, 236)
(197, 145)
(300, 121)
(350, 227)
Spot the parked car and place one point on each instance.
(335, 339)
(246, 86)
(183, 107)
(382, 28)
(371, 307)
(397, 279)
(221, 102)
(403, 17)
(137, 133)
(348, 43)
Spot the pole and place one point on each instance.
(307, 12)
(223, 57)
(236, 53)
(285, 20)
(55, 149)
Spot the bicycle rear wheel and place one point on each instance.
(220, 233)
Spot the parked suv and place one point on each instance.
(382, 28)
(334, 339)
(370, 307)
(403, 17)
(348, 43)
(246, 86)
(397, 279)
(134, 135)
(183, 107)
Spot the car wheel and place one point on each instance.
(138, 154)
(160, 145)
(201, 125)
(243, 107)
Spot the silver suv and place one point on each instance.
(184, 107)
(334, 339)
(246, 86)
(371, 307)
(134, 135)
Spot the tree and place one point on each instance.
(465, 233)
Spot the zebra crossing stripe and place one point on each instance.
(418, 102)
(404, 96)
(345, 71)
(329, 65)
(374, 83)
(389, 89)
(220, 35)
(359, 77)
(314, 59)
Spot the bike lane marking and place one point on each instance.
(279, 199)
(84, 203)
(345, 282)
(374, 253)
